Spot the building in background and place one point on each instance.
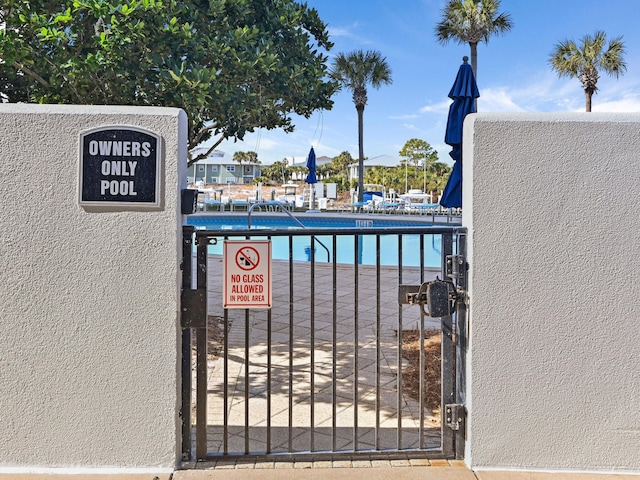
(219, 168)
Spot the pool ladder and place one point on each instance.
(282, 208)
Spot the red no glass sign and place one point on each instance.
(247, 274)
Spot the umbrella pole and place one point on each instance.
(311, 196)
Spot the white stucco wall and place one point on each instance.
(551, 202)
(88, 353)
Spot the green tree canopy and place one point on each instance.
(472, 21)
(340, 164)
(584, 60)
(417, 152)
(277, 172)
(232, 65)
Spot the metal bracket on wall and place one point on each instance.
(456, 266)
(455, 414)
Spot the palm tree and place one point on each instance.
(355, 70)
(249, 157)
(472, 21)
(585, 60)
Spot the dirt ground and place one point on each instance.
(432, 366)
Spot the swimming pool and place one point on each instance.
(345, 248)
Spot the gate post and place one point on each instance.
(201, 351)
(185, 408)
(448, 358)
(461, 345)
(194, 316)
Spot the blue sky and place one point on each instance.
(513, 73)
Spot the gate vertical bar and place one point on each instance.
(334, 350)
(201, 357)
(291, 340)
(312, 325)
(225, 413)
(246, 381)
(185, 410)
(269, 375)
(399, 355)
(356, 256)
(448, 359)
(378, 333)
(421, 360)
(269, 351)
(247, 378)
(225, 368)
(461, 343)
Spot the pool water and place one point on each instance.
(345, 244)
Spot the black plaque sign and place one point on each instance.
(119, 165)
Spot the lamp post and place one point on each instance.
(406, 175)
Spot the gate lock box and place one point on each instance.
(436, 295)
(188, 201)
(438, 301)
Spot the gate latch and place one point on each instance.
(437, 295)
(455, 414)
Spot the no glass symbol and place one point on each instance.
(247, 258)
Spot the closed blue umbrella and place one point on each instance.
(311, 176)
(463, 93)
(311, 165)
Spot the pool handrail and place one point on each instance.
(280, 205)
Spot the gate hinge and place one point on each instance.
(193, 308)
(456, 266)
(455, 414)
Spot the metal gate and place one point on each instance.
(347, 361)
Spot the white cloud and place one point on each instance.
(408, 116)
(497, 100)
(267, 144)
(628, 102)
(348, 33)
(540, 94)
(442, 107)
(548, 93)
(343, 31)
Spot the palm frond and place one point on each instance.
(472, 21)
(612, 60)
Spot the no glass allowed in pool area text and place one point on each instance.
(247, 274)
(119, 166)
